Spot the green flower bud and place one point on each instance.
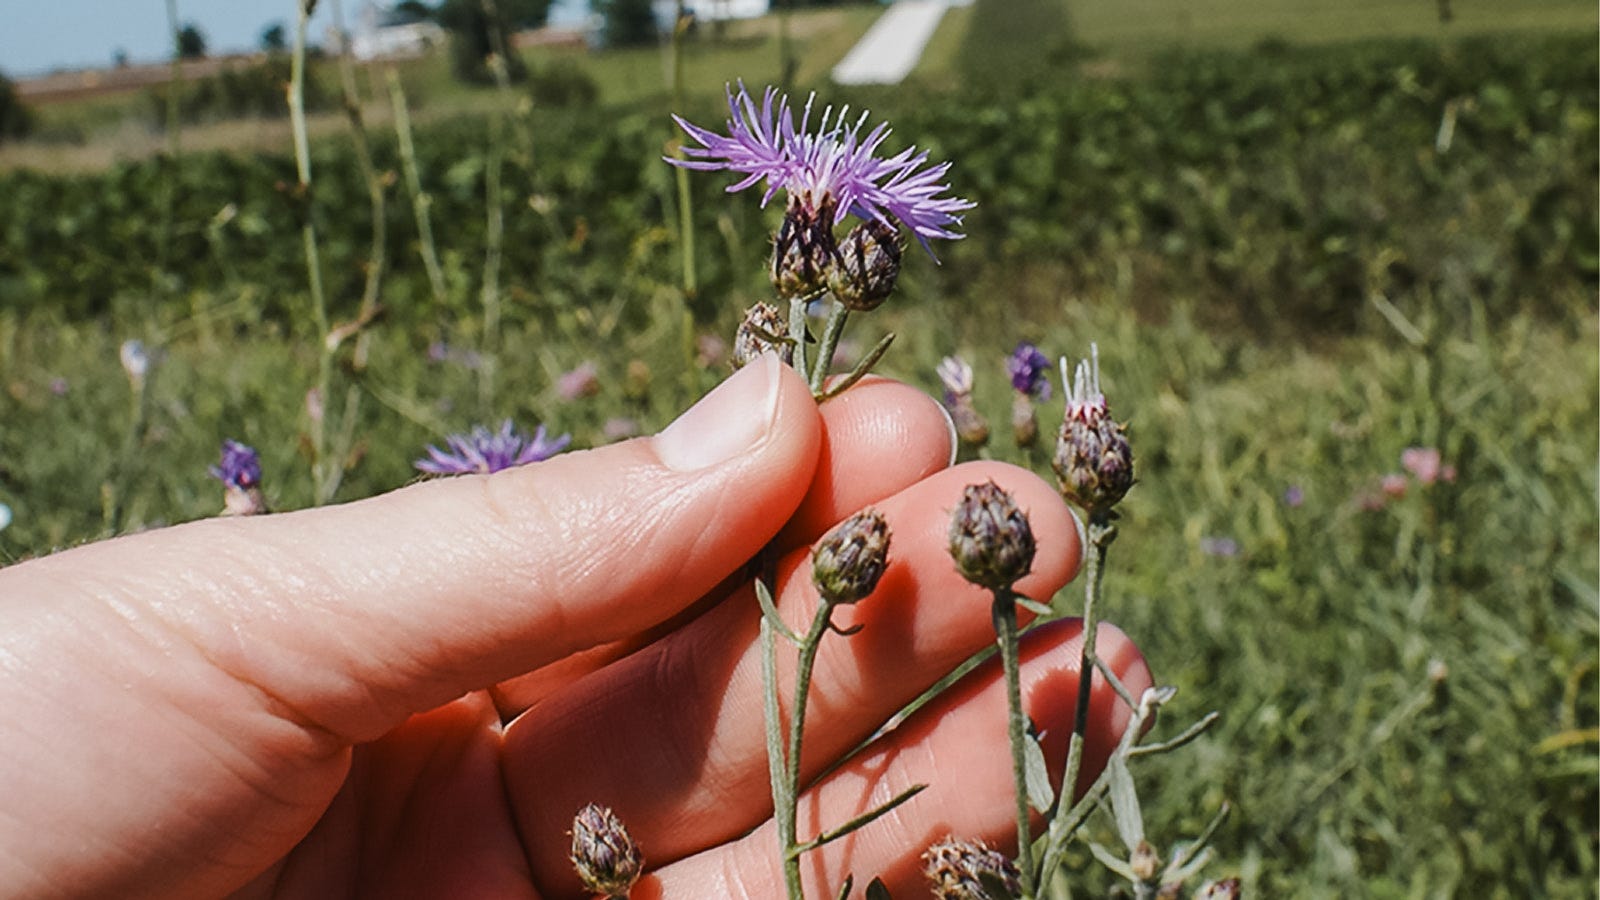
(847, 564)
(868, 266)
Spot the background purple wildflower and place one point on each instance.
(481, 450)
(1029, 369)
(836, 160)
(240, 466)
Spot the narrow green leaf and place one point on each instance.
(858, 822)
(1125, 803)
(1040, 795)
(1110, 861)
(844, 889)
(1034, 606)
(770, 611)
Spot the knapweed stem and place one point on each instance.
(788, 826)
(797, 331)
(830, 341)
(1003, 612)
(1101, 533)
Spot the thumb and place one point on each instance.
(358, 615)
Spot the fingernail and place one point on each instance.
(729, 421)
(955, 438)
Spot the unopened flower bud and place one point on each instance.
(868, 266)
(135, 362)
(955, 374)
(606, 858)
(762, 330)
(1093, 462)
(636, 383)
(990, 538)
(847, 564)
(239, 470)
(959, 870)
(1226, 889)
(1024, 421)
(804, 251)
(1144, 861)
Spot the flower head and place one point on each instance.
(962, 870)
(239, 470)
(847, 563)
(484, 451)
(1030, 371)
(955, 374)
(605, 856)
(835, 166)
(990, 538)
(1093, 462)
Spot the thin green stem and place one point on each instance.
(308, 238)
(495, 228)
(788, 828)
(1101, 533)
(685, 198)
(1003, 613)
(783, 802)
(830, 341)
(421, 201)
(169, 195)
(377, 259)
(797, 331)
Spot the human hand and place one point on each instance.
(311, 704)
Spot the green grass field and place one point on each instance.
(1316, 237)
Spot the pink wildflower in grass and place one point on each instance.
(481, 450)
(583, 381)
(1425, 464)
(834, 168)
(1393, 485)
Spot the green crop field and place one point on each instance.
(1306, 238)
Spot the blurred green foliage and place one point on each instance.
(1294, 269)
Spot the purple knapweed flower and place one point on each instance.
(1030, 371)
(1294, 496)
(835, 167)
(239, 470)
(240, 466)
(481, 450)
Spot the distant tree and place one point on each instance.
(415, 11)
(474, 34)
(628, 23)
(191, 42)
(119, 59)
(274, 38)
(15, 120)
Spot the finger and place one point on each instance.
(243, 657)
(878, 438)
(958, 747)
(672, 737)
(358, 615)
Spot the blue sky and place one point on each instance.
(40, 35)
